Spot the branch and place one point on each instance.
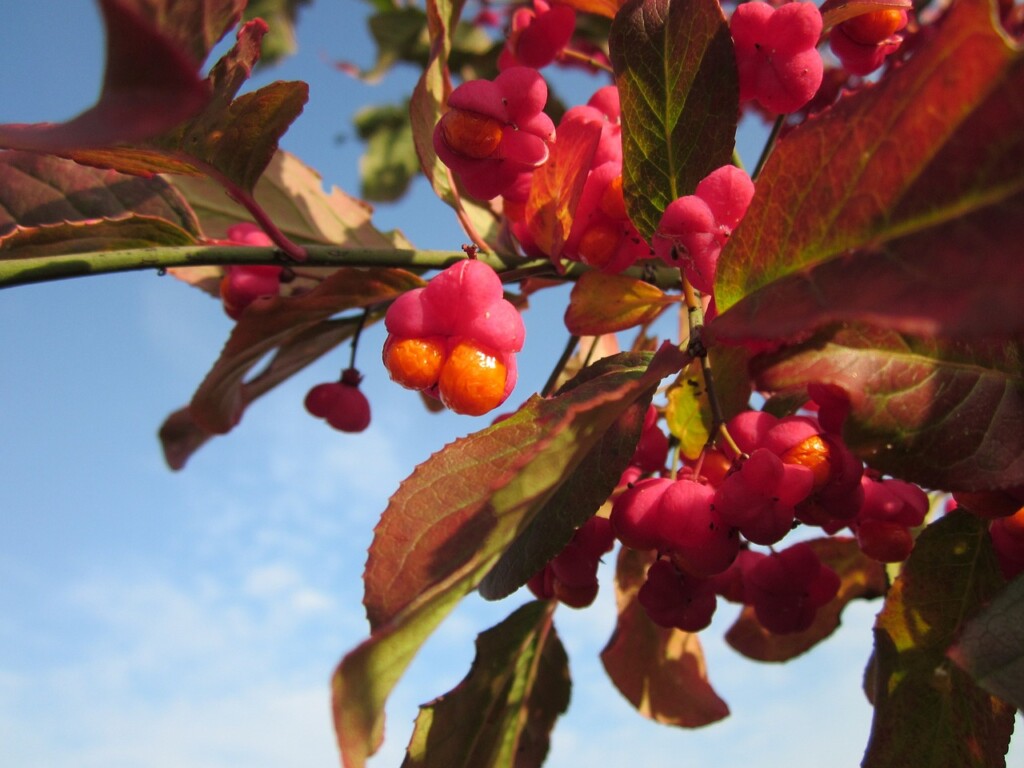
(38, 269)
(16, 271)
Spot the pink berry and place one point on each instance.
(634, 516)
(787, 588)
(495, 130)
(760, 498)
(242, 285)
(538, 35)
(674, 599)
(776, 54)
(695, 536)
(694, 228)
(341, 403)
(351, 410)
(862, 43)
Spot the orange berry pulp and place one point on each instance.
(470, 133)
(414, 363)
(472, 379)
(876, 26)
(598, 245)
(814, 454)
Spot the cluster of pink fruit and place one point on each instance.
(703, 522)
(495, 134)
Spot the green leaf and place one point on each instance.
(898, 206)
(501, 714)
(676, 73)
(661, 672)
(600, 303)
(947, 416)
(269, 323)
(687, 412)
(991, 646)
(928, 711)
(450, 522)
(860, 577)
(389, 163)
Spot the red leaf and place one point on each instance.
(942, 415)
(494, 484)
(860, 578)
(556, 186)
(42, 189)
(660, 671)
(898, 206)
(150, 86)
(450, 521)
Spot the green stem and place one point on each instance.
(570, 347)
(769, 145)
(40, 269)
(696, 348)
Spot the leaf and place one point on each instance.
(899, 206)
(281, 16)
(195, 26)
(576, 500)
(389, 163)
(676, 73)
(661, 672)
(293, 196)
(502, 713)
(991, 646)
(232, 139)
(44, 199)
(150, 86)
(428, 103)
(947, 416)
(600, 303)
(87, 236)
(269, 323)
(860, 577)
(687, 412)
(450, 521)
(556, 186)
(181, 436)
(928, 712)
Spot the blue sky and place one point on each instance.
(157, 619)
